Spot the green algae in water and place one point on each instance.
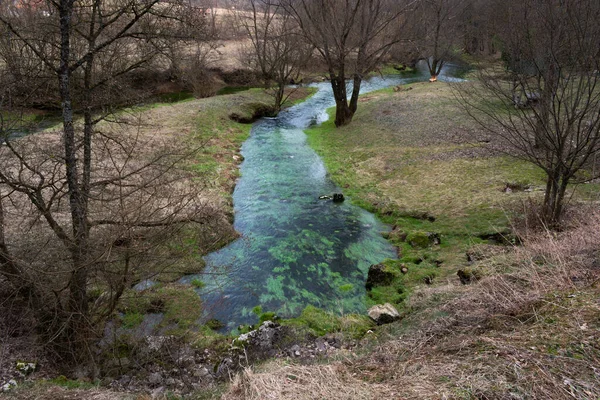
(295, 250)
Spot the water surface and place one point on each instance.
(295, 249)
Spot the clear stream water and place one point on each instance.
(295, 249)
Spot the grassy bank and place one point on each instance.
(205, 125)
(414, 158)
(526, 323)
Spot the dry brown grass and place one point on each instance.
(530, 329)
(58, 393)
(281, 381)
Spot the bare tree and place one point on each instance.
(352, 37)
(276, 49)
(438, 32)
(546, 107)
(89, 187)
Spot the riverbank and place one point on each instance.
(522, 320)
(422, 165)
(169, 309)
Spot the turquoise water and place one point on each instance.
(295, 249)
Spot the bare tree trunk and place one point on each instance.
(344, 111)
(279, 96)
(343, 114)
(77, 302)
(556, 187)
(435, 68)
(546, 102)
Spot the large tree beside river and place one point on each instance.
(352, 37)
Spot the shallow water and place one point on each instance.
(295, 249)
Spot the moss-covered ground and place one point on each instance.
(417, 160)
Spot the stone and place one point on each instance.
(379, 275)
(124, 380)
(202, 372)
(155, 378)
(11, 384)
(159, 343)
(295, 350)
(383, 313)
(338, 198)
(158, 392)
(260, 343)
(26, 367)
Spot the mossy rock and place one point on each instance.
(316, 320)
(422, 240)
(379, 275)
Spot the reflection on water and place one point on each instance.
(295, 249)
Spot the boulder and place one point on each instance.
(383, 313)
(379, 275)
(26, 367)
(11, 384)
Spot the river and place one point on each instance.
(294, 249)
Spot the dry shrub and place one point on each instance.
(203, 82)
(549, 261)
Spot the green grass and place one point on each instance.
(318, 322)
(231, 90)
(403, 156)
(393, 69)
(175, 97)
(66, 383)
(131, 320)
(29, 120)
(180, 304)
